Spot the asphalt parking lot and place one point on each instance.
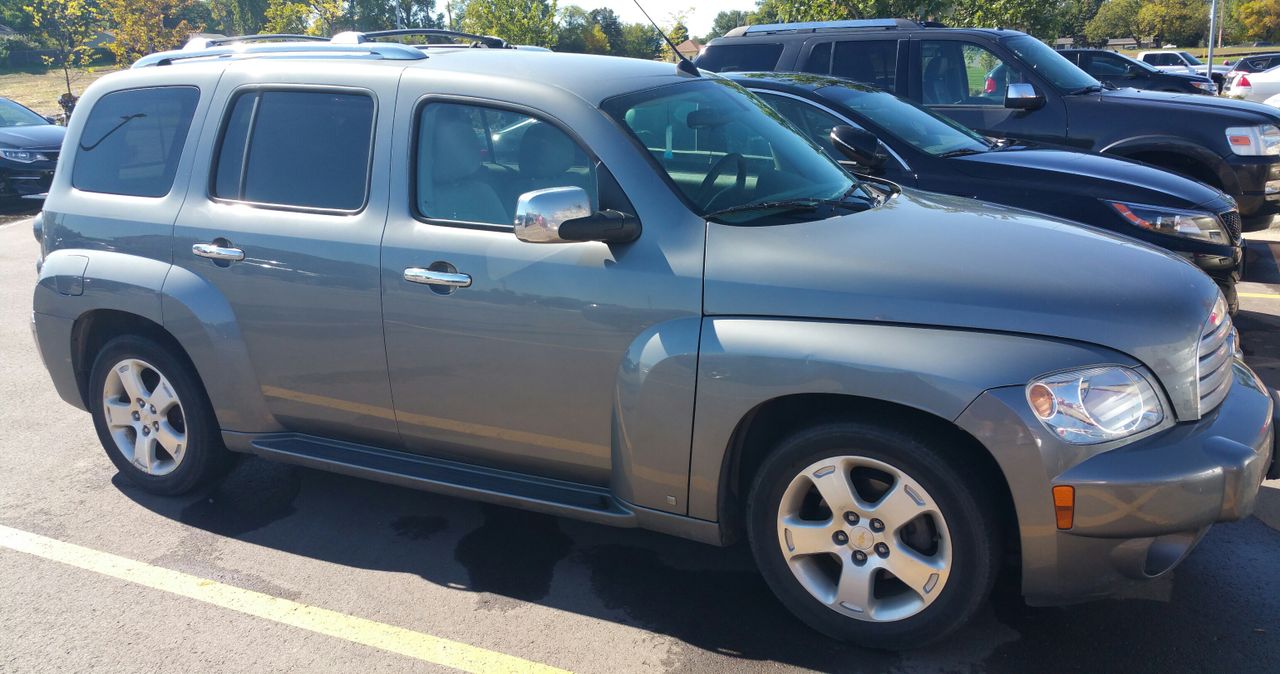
(283, 567)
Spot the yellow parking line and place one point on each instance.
(1266, 296)
(390, 638)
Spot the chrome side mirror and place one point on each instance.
(540, 213)
(1022, 96)
(563, 214)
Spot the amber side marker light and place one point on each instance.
(1064, 505)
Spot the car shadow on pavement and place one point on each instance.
(712, 598)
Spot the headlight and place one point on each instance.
(1254, 141)
(1206, 86)
(1100, 404)
(1192, 224)
(24, 156)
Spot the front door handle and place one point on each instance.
(431, 277)
(215, 252)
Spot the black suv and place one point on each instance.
(1007, 84)
(1122, 71)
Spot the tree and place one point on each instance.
(237, 17)
(1115, 19)
(1259, 19)
(1032, 16)
(67, 26)
(677, 33)
(144, 27)
(773, 11)
(517, 21)
(640, 41)
(726, 21)
(286, 16)
(1179, 21)
(1074, 15)
(610, 25)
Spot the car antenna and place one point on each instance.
(683, 64)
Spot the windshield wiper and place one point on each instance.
(960, 153)
(1085, 90)
(807, 204)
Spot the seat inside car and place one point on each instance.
(450, 187)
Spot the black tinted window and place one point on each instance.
(132, 141)
(819, 60)
(872, 62)
(740, 57)
(307, 149)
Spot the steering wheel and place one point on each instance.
(707, 193)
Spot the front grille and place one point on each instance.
(1231, 220)
(1216, 353)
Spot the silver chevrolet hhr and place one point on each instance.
(613, 290)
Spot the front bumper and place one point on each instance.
(18, 181)
(1253, 174)
(1139, 508)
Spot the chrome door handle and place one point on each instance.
(437, 278)
(215, 252)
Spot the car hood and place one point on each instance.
(40, 137)
(1191, 104)
(935, 260)
(1090, 175)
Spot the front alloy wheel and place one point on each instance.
(864, 538)
(875, 535)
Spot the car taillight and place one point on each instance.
(990, 87)
(1244, 81)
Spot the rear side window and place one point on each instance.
(132, 141)
(299, 149)
(726, 58)
(870, 61)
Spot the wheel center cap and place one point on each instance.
(861, 538)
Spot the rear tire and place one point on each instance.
(907, 557)
(153, 417)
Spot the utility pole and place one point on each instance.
(1213, 28)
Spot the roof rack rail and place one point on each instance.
(358, 37)
(813, 26)
(376, 50)
(218, 41)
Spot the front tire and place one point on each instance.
(874, 536)
(153, 417)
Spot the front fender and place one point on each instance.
(746, 362)
(1129, 147)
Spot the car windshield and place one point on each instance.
(725, 149)
(1190, 59)
(1050, 65)
(12, 114)
(922, 129)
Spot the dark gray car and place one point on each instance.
(603, 289)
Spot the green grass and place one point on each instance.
(40, 89)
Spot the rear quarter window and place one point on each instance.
(724, 58)
(132, 141)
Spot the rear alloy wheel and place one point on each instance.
(153, 417)
(874, 536)
(145, 417)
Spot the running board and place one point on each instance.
(555, 497)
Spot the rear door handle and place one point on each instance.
(215, 252)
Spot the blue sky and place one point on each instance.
(700, 12)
